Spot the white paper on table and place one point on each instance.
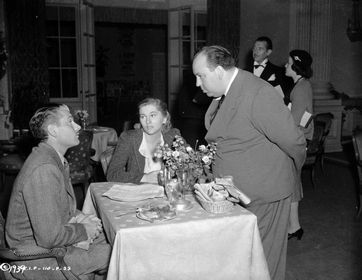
(279, 90)
(134, 192)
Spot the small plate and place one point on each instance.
(156, 213)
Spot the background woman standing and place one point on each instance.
(301, 102)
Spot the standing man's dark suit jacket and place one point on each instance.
(257, 140)
(279, 78)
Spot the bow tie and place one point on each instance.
(256, 66)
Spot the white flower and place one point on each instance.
(206, 159)
(82, 114)
(202, 148)
(188, 149)
(175, 154)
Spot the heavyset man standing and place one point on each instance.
(258, 144)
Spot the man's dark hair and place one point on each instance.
(267, 40)
(217, 55)
(42, 117)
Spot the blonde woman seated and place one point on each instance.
(133, 159)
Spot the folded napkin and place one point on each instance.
(133, 192)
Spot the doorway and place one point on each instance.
(131, 64)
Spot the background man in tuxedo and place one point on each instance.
(263, 68)
(258, 144)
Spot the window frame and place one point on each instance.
(177, 63)
(77, 37)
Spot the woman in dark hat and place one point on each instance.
(301, 106)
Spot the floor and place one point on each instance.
(331, 245)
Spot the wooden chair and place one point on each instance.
(10, 164)
(106, 157)
(316, 147)
(13, 155)
(326, 119)
(357, 146)
(8, 255)
(79, 159)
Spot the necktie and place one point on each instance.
(217, 108)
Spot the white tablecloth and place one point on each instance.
(101, 137)
(194, 245)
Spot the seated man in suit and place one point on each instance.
(263, 68)
(42, 210)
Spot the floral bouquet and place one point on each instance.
(180, 156)
(82, 116)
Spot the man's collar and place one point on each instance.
(61, 156)
(264, 62)
(231, 80)
(46, 144)
(229, 84)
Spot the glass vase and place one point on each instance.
(182, 179)
(188, 181)
(181, 203)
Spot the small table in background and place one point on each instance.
(101, 137)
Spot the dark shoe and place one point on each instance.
(298, 234)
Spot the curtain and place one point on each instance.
(223, 24)
(27, 58)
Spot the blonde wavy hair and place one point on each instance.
(161, 106)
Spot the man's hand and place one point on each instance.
(92, 229)
(92, 224)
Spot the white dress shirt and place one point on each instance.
(150, 164)
(257, 71)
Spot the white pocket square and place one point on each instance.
(271, 78)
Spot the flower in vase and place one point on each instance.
(82, 115)
(206, 159)
(180, 156)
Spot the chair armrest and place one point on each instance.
(57, 253)
(15, 255)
